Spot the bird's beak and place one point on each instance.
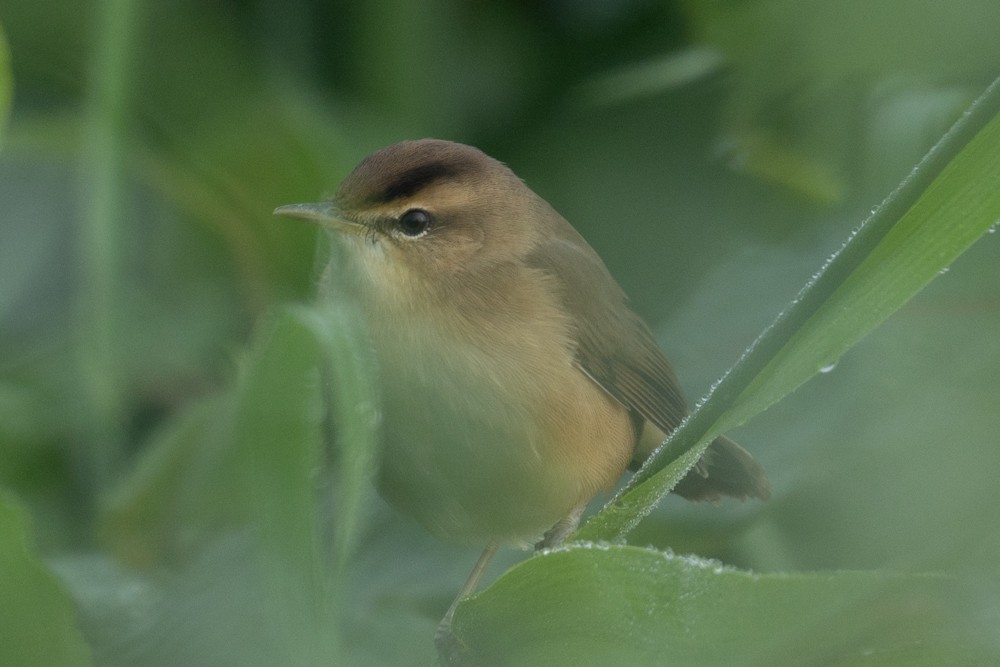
(324, 213)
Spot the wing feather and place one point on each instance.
(616, 349)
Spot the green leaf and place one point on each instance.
(353, 403)
(37, 622)
(276, 426)
(599, 604)
(238, 494)
(948, 202)
(304, 361)
(280, 405)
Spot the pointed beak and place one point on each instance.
(324, 213)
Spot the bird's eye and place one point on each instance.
(414, 222)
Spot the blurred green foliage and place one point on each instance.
(38, 625)
(207, 510)
(6, 84)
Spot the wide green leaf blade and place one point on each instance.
(950, 200)
(276, 430)
(37, 622)
(348, 370)
(602, 604)
(307, 361)
(241, 501)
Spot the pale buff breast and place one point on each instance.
(492, 432)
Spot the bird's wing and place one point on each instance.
(614, 347)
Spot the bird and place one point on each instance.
(516, 382)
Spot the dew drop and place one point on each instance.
(828, 368)
(943, 271)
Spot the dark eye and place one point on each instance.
(415, 222)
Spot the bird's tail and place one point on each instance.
(725, 469)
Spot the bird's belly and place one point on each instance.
(492, 448)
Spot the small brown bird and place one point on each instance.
(516, 382)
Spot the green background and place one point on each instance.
(167, 498)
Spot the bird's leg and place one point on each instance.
(563, 528)
(445, 640)
(447, 644)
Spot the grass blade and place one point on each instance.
(103, 195)
(6, 83)
(949, 201)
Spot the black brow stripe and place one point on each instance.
(412, 181)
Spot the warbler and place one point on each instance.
(516, 382)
